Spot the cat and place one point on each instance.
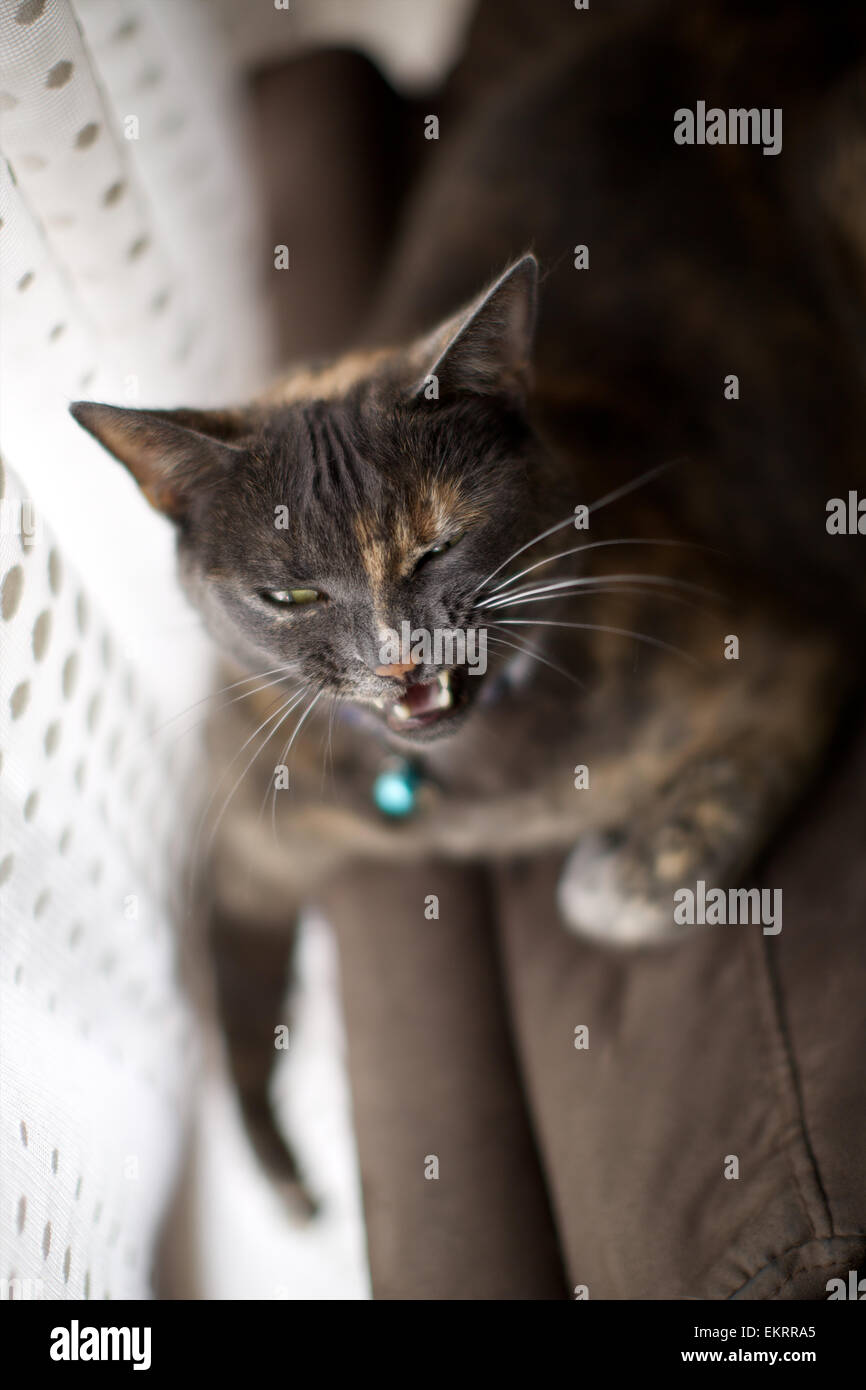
(561, 464)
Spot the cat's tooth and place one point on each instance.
(444, 697)
(401, 711)
(379, 703)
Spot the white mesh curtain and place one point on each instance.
(127, 249)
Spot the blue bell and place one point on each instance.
(394, 790)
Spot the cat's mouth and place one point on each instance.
(426, 705)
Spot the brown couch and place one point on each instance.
(559, 1167)
(605, 1166)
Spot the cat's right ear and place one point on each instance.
(172, 454)
(485, 349)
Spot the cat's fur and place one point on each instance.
(704, 262)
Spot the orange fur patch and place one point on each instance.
(391, 545)
(328, 382)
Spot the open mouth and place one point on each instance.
(425, 704)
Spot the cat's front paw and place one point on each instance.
(602, 897)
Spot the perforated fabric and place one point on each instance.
(94, 1036)
(129, 261)
(131, 267)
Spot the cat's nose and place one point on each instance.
(398, 669)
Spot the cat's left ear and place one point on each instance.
(172, 454)
(486, 348)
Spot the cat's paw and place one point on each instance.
(602, 897)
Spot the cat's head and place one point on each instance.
(377, 491)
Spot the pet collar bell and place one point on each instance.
(395, 789)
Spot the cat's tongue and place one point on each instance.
(423, 700)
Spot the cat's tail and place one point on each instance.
(251, 968)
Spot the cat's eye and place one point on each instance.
(441, 546)
(291, 598)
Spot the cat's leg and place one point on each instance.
(708, 824)
(751, 738)
(251, 962)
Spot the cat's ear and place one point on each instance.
(486, 348)
(170, 453)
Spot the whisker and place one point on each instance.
(328, 759)
(277, 707)
(593, 582)
(271, 786)
(531, 651)
(214, 694)
(284, 712)
(602, 627)
(635, 483)
(308, 711)
(596, 545)
(281, 680)
(287, 750)
(536, 540)
(619, 590)
(604, 501)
